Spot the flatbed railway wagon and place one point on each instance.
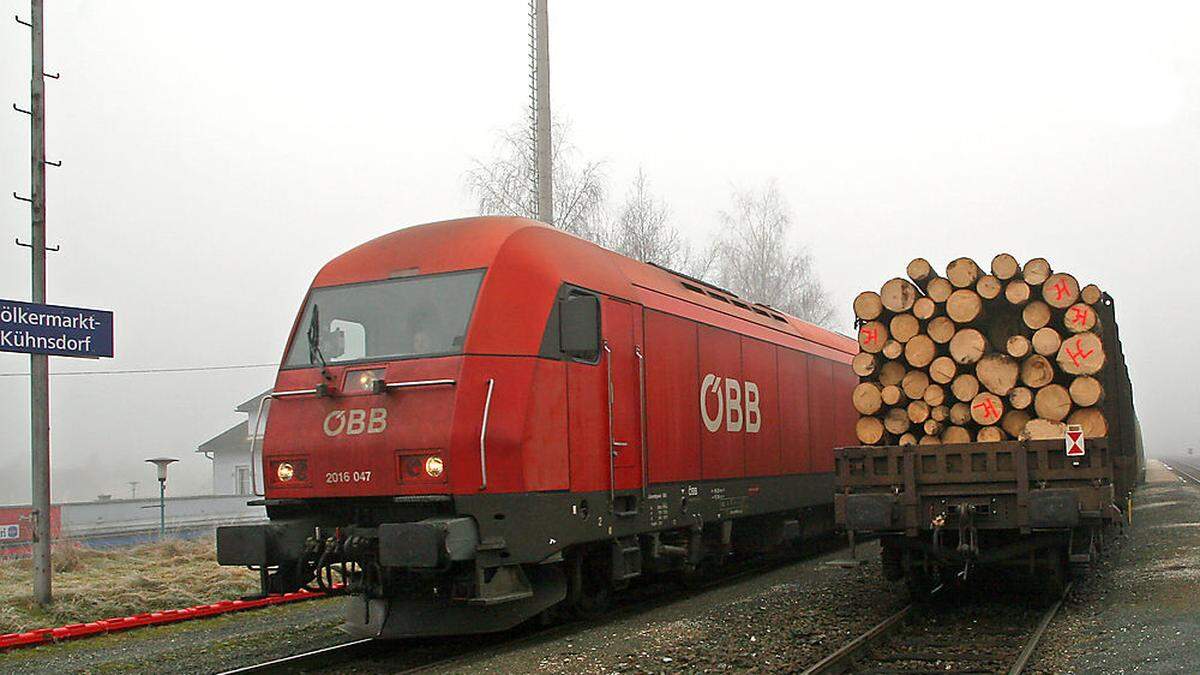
(946, 511)
(480, 420)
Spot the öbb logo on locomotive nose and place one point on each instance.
(739, 410)
(356, 421)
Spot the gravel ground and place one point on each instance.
(783, 620)
(1140, 611)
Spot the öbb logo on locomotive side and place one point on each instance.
(356, 421)
(738, 410)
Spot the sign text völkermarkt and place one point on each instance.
(51, 329)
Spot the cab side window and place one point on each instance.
(573, 329)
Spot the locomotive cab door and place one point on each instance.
(605, 404)
(622, 333)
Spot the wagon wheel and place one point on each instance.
(1054, 572)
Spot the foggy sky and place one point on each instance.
(216, 154)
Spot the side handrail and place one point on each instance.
(612, 468)
(262, 403)
(637, 350)
(487, 408)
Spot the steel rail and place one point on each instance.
(325, 656)
(843, 659)
(840, 660)
(1023, 659)
(1189, 473)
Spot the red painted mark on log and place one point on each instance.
(870, 336)
(1062, 289)
(989, 408)
(1081, 316)
(1079, 355)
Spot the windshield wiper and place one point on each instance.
(314, 341)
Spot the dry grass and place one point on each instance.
(91, 584)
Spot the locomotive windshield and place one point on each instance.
(396, 318)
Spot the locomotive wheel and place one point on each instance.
(592, 592)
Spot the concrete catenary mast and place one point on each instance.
(539, 46)
(39, 387)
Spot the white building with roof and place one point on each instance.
(230, 451)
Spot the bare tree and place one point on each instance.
(643, 232)
(754, 258)
(505, 184)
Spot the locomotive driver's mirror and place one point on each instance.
(579, 326)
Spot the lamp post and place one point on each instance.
(162, 463)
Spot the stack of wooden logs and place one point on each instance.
(973, 356)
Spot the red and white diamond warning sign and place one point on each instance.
(1075, 441)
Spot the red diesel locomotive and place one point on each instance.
(481, 419)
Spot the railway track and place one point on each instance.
(407, 656)
(974, 637)
(1188, 472)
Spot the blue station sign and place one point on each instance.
(27, 328)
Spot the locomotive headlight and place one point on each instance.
(434, 466)
(364, 381)
(285, 471)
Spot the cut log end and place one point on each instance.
(868, 306)
(964, 306)
(942, 370)
(1043, 430)
(1094, 424)
(956, 434)
(939, 289)
(903, 327)
(914, 384)
(869, 430)
(892, 349)
(1060, 290)
(1036, 315)
(891, 372)
(1052, 402)
(1020, 398)
(871, 336)
(891, 395)
(1080, 317)
(941, 329)
(920, 271)
(924, 308)
(1036, 371)
(1081, 354)
(1086, 391)
(896, 422)
(1017, 292)
(987, 409)
(963, 272)
(1091, 294)
(965, 387)
(990, 435)
(998, 373)
(1014, 422)
(1017, 346)
(1046, 341)
(865, 364)
(989, 287)
(920, 351)
(1005, 267)
(867, 398)
(967, 346)
(1036, 271)
(898, 295)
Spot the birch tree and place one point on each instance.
(642, 229)
(505, 184)
(755, 257)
